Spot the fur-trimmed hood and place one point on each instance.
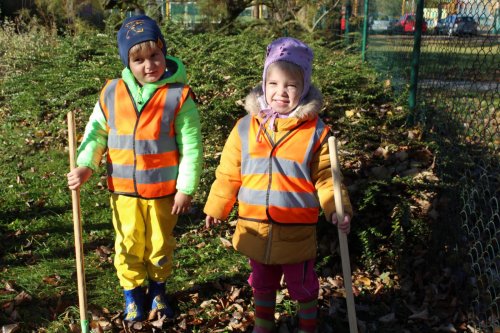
(309, 108)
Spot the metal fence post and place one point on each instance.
(348, 10)
(365, 31)
(415, 62)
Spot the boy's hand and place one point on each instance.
(210, 220)
(344, 226)
(182, 202)
(78, 176)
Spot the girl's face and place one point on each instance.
(283, 89)
(147, 64)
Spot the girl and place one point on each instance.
(276, 164)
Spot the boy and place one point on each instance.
(148, 124)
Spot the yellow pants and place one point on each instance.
(144, 244)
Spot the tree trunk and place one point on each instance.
(233, 9)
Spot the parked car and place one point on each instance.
(439, 28)
(380, 24)
(406, 24)
(457, 25)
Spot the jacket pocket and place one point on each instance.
(248, 240)
(296, 233)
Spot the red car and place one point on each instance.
(406, 24)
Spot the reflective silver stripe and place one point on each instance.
(145, 147)
(252, 197)
(278, 198)
(158, 175)
(279, 165)
(120, 170)
(320, 127)
(254, 166)
(173, 97)
(109, 101)
(150, 176)
(243, 130)
(120, 141)
(291, 168)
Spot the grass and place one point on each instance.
(440, 58)
(40, 85)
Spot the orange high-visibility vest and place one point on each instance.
(142, 159)
(276, 181)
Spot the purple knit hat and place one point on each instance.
(294, 51)
(138, 29)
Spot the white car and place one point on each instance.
(380, 24)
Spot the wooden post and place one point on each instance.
(77, 228)
(344, 249)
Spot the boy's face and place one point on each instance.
(283, 90)
(147, 64)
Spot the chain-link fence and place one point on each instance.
(186, 13)
(453, 65)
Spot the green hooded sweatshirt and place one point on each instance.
(187, 128)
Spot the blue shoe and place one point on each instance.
(134, 304)
(158, 299)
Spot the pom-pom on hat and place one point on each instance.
(138, 29)
(294, 51)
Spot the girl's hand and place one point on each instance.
(78, 176)
(210, 220)
(182, 202)
(344, 226)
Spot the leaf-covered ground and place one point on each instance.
(407, 274)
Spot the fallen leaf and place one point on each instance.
(380, 152)
(10, 328)
(234, 294)
(447, 328)
(9, 286)
(227, 244)
(350, 113)
(22, 297)
(8, 307)
(158, 323)
(14, 316)
(423, 315)
(364, 281)
(74, 328)
(53, 280)
(207, 303)
(388, 318)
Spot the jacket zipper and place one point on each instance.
(270, 233)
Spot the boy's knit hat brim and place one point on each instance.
(138, 29)
(294, 51)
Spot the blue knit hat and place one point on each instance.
(138, 29)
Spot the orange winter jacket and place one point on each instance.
(142, 158)
(285, 233)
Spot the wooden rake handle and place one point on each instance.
(344, 249)
(77, 228)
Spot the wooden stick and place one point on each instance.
(77, 227)
(344, 249)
